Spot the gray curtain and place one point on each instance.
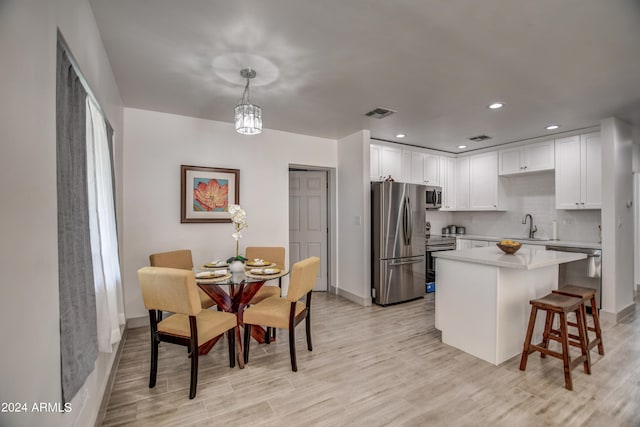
(78, 334)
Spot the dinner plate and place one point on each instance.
(218, 265)
(264, 271)
(211, 274)
(264, 263)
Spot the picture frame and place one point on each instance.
(207, 192)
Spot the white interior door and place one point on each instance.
(308, 220)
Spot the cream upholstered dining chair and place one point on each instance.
(175, 290)
(287, 312)
(181, 259)
(274, 254)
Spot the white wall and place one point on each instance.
(156, 144)
(30, 361)
(354, 212)
(617, 217)
(534, 194)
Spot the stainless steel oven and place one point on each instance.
(435, 244)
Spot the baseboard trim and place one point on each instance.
(138, 322)
(615, 318)
(112, 377)
(364, 301)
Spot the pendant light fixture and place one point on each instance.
(248, 117)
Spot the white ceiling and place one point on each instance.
(322, 64)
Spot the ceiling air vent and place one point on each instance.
(379, 113)
(479, 138)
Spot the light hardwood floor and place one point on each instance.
(374, 366)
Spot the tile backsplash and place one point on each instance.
(534, 194)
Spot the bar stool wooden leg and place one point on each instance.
(548, 323)
(527, 341)
(596, 325)
(584, 338)
(564, 340)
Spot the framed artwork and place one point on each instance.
(206, 193)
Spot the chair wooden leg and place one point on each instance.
(153, 370)
(308, 330)
(247, 342)
(194, 357)
(231, 337)
(527, 341)
(292, 348)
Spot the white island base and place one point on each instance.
(482, 297)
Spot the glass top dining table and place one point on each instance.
(232, 292)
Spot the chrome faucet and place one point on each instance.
(532, 228)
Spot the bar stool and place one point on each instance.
(558, 304)
(587, 295)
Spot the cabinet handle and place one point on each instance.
(577, 203)
(525, 167)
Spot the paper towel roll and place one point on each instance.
(554, 230)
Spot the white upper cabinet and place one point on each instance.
(483, 181)
(421, 168)
(579, 172)
(384, 162)
(448, 183)
(462, 183)
(375, 167)
(431, 174)
(416, 168)
(528, 158)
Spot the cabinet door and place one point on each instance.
(375, 171)
(539, 157)
(448, 183)
(511, 161)
(406, 165)
(568, 173)
(483, 178)
(591, 171)
(417, 165)
(479, 243)
(462, 183)
(392, 163)
(463, 244)
(431, 169)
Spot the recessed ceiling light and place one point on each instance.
(462, 146)
(400, 135)
(495, 105)
(552, 127)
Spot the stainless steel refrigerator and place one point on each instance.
(397, 242)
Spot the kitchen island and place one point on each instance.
(483, 294)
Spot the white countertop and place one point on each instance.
(525, 241)
(527, 258)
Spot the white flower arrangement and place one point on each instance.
(239, 220)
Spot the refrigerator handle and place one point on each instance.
(410, 221)
(405, 220)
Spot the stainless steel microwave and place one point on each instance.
(433, 197)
